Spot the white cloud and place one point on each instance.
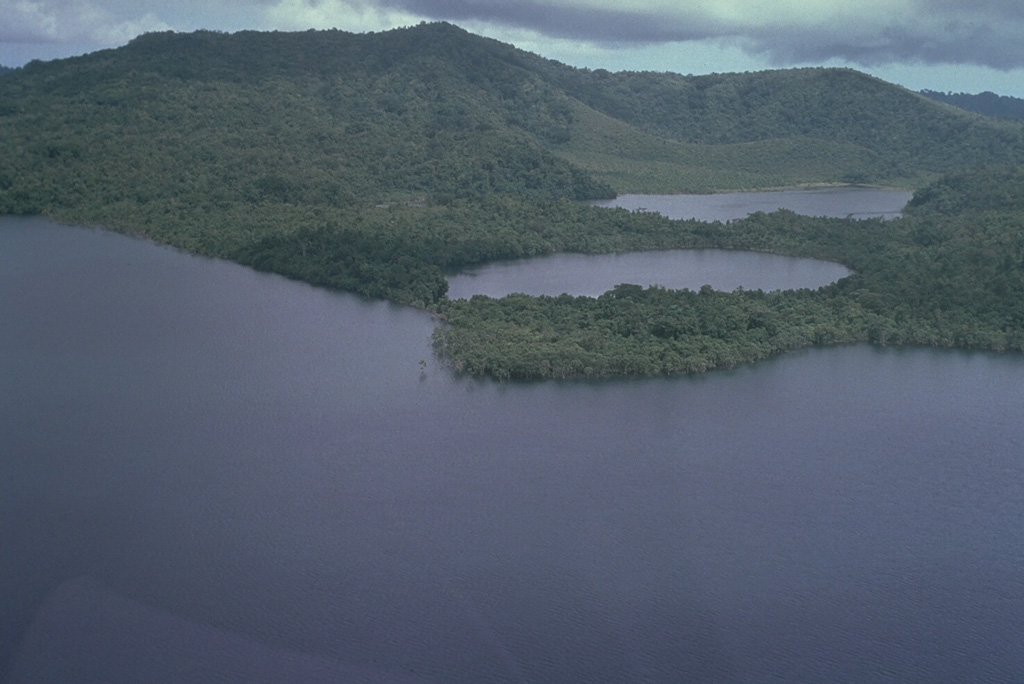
(77, 21)
(26, 21)
(350, 15)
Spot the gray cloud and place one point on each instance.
(598, 24)
(996, 46)
(869, 33)
(84, 21)
(981, 32)
(105, 23)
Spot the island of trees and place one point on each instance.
(378, 163)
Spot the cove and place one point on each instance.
(213, 474)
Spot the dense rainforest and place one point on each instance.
(377, 163)
(350, 120)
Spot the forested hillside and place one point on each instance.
(987, 103)
(837, 123)
(377, 163)
(339, 119)
(329, 119)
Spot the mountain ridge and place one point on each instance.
(408, 85)
(986, 102)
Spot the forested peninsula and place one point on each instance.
(377, 163)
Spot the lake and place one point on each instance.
(594, 274)
(213, 474)
(836, 202)
(591, 275)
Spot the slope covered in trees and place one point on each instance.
(987, 103)
(834, 125)
(345, 119)
(317, 119)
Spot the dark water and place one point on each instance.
(210, 474)
(592, 275)
(842, 202)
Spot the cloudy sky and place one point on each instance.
(947, 45)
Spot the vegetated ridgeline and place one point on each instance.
(375, 163)
(987, 103)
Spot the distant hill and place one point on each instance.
(328, 117)
(835, 124)
(991, 189)
(987, 103)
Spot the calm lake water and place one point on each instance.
(211, 474)
(841, 202)
(592, 275)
